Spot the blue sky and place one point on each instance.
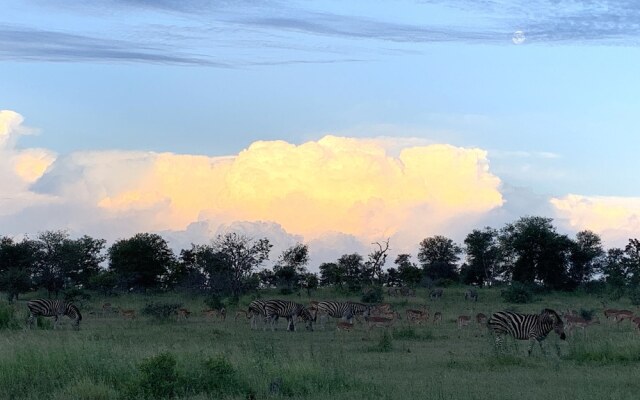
(557, 114)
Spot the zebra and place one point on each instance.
(346, 310)
(471, 294)
(532, 327)
(256, 310)
(55, 309)
(290, 310)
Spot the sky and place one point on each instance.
(333, 123)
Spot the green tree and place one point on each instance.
(632, 258)
(290, 269)
(483, 256)
(141, 262)
(586, 257)
(352, 265)
(332, 274)
(243, 255)
(17, 263)
(409, 274)
(438, 256)
(533, 251)
(372, 272)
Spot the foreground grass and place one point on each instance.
(110, 358)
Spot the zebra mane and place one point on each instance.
(551, 314)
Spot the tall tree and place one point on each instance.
(352, 265)
(408, 272)
(632, 253)
(290, 270)
(615, 268)
(483, 256)
(141, 262)
(438, 256)
(49, 272)
(534, 251)
(372, 268)
(332, 274)
(586, 257)
(17, 263)
(244, 256)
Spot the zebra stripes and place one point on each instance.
(533, 327)
(346, 310)
(55, 309)
(256, 311)
(289, 310)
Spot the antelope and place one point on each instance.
(436, 293)
(128, 314)
(183, 313)
(579, 322)
(222, 313)
(106, 308)
(437, 317)
(384, 308)
(417, 316)
(621, 315)
(241, 313)
(481, 319)
(463, 320)
(344, 326)
(379, 322)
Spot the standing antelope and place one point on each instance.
(437, 317)
(436, 294)
(621, 315)
(471, 294)
(532, 327)
(182, 313)
(481, 319)
(128, 314)
(344, 326)
(463, 320)
(417, 316)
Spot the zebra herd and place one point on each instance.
(532, 327)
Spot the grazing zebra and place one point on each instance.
(257, 310)
(55, 309)
(346, 310)
(533, 327)
(290, 310)
(471, 294)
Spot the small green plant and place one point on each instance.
(386, 343)
(158, 376)
(373, 294)
(8, 318)
(161, 311)
(587, 314)
(517, 293)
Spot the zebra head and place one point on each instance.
(305, 314)
(556, 321)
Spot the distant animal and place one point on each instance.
(481, 319)
(437, 317)
(106, 308)
(221, 313)
(417, 316)
(289, 310)
(128, 314)
(573, 321)
(463, 320)
(532, 327)
(345, 310)
(241, 313)
(257, 312)
(183, 313)
(379, 322)
(344, 326)
(621, 315)
(55, 309)
(436, 294)
(471, 294)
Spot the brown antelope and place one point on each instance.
(463, 320)
(128, 314)
(437, 317)
(183, 313)
(621, 315)
(417, 316)
(106, 308)
(221, 314)
(481, 319)
(384, 308)
(344, 326)
(578, 322)
(242, 313)
(379, 322)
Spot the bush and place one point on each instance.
(220, 376)
(373, 294)
(214, 301)
(161, 311)
(158, 376)
(634, 295)
(517, 293)
(587, 314)
(8, 318)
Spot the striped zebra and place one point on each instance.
(289, 310)
(55, 309)
(345, 310)
(257, 311)
(532, 327)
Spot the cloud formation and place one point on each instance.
(615, 218)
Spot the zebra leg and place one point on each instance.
(30, 321)
(532, 342)
(55, 322)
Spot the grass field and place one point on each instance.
(113, 358)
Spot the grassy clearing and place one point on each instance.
(113, 358)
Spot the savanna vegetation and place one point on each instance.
(152, 325)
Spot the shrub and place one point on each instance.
(634, 295)
(220, 376)
(161, 311)
(517, 293)
(8, 318)
(373, 295)
(214, 301)
(158, 376)
(587, 314)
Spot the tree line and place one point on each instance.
(529, 251)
